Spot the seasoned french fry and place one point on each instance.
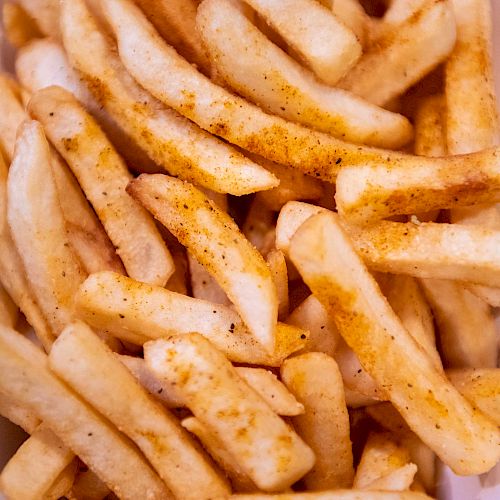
(44, 456)
(430, 134)
(82, 360)
(137, 312)
(322, 42)
(176, 144)
(257, 69)
(397, 13)
(8, 309)
(403, 56)
(461, 436)
(203, 284)
(465, 323)
(38, 228)
(89, 435)
(19, 26)
(315, 380)
(104, 176)
(481, 387)
(276, 262)
(352, 14)
(45, 13)
(217, 243)
(268, 451)
(336, 495)
(88, 486)
(18, 414)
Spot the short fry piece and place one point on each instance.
(461, 436)
(314, 378)
(263, 446)
(215, 240)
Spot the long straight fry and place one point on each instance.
(460, 435)
(173, 142)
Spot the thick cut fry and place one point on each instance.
(257, 69)
(276, 262)
(175, 20)
(137, 312)
(215, 240)
(337, 495)
(44, 456)
(321, 41)
(462, 437)
(323, 334)
(45, 13)
(112, 456)
(82, 360)
(18, 414)
(481, 387)
(37, 226)
(268, 451)
(465, 323)
(173, 142)
(402, 57)
(104, 176)
(314, 378)
(8, 309)
(19, 26)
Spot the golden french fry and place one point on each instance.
(63, 483)
(322, 41)
(19, 26)
(173, 142)
(336, 495)
(104, 176)
(88, 486)
(82, 360)
(137, 312)
(403, 56)
(314, 378)
(45, 13)
(203, 284)
(352, 14)
(18, 414)
(268, 451)
(397, 13)
(481, 387)
(8, 309)
(214, 239)
(110, 454)
(45, 456)
(260, 71)
(465, 323)
(430, 134)
(459, 435)
(276, 261)
(38, 228)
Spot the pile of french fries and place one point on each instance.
(249, 248)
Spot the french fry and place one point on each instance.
(430, 134)
(88, 486)
(460, 436)
(104, 176)
(39, 233)
(175, 20)
(257, 69)
(203, 284)
(465, 323)
(18, 414)
(173, 142)
(19, 26)
(45, 13)
(217, 243)
(310, 315)
(82, 360)
(276, 261)
(12, 116)
(397, 13)
(137, 312)
(90, 436)
(322, 42)
(8, 309)
(178, 282)
(268, 451)
(336, 495)
(44, 456)
(403, 56)
(481, 387)
(63, 483)
(258, 225)
(355, 399)
(239, 480)
(314, 378)
(352, 14)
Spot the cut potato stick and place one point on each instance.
(178, 282)
(137, 312)
(314, 378)
(19, 26)
(268, 451)
(460, 436)
(88, 486)
(44, 456)
(258, 225)
(175, 20)
(336, 495)
(276, 261)
(217, 243)
(18, 414)
(82, 360)
(63, 483)
(239, 480)
(110, 454)
(352, 14)
(481, 387)
(45, 13)
(8, 309)
(430, 134)
(173, 142)
(321, 41)
(312, 316)
(397, 13)
(465, 323)
(40, 233)
(203, 284)
(260, 71)
(403, 56)
(104, 176)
